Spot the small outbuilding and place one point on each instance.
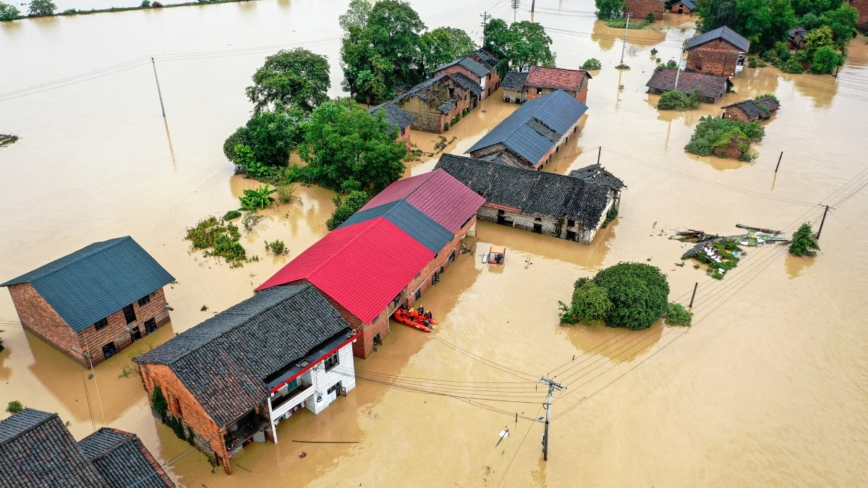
(514, 90)
(683, 7)
(93, 303)
(719, 52)
(709, 88)
(796, 37)
(479, 66)
(751, 110)
(399, 120)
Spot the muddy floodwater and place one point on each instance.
(768, 388)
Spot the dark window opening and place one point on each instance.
(435, 278)
(109, 350)
(571, 222)
(537, 219)
(537, 228)
(144, 300)
(150, 326)
(452, 256)
(418, 293)
(135, 334)
(539, 91)
(336, 388)
(101, 323)
(332, 361)
(571, 235)
(129, 314)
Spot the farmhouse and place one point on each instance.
(641, 8)
(36, 449)
(796, 37)
(751, 110)
(437, 103)
(514, 90)
(231, 379)
(388, 254)
(709, 88)
(720, 52)
(399, 120)
(94, 302)
(532, 134)
(683, 7)
(570, 207)
(479, 66)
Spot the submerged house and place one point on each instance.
(479, 66)
(796, 37)
(399, 120)
(514, 90)
(641, 8)
(709, 88)
(719, 52)
(751, 110)
(681, 7)
(531, 135)
(388, 253)
(539, 81)
(570, 207)
(437, 103)
(36, 449)
(231, 379)
(93, 303)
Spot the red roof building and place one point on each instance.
(541, 81)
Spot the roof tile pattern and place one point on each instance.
(97, 280)
(397, 117)
(514, 80)
(225, 360)
(556, 78)
(123, 461)
(409, 219)
(760, 108)
(724, 33)
(707, 86)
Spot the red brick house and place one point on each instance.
(641, 8)
(720, 52)
(232, 379)
(36, 449)
(683, 7)
(439, 101)
(709, 88)
(94, 302)
(542, 81)
(751, 110)
(862, 7)
(534, 133)
(399, 120)
(796, 37)
(479, 66)
(388, 254)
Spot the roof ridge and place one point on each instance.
(127, 438)
(31, 427)
(431, 175)
(547, 99)
(117, 240)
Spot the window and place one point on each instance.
(571, 223)
(135, 334)
(129, 314)
(144, 300)
(150, 326)
(539, 91)
(332, 361)
(489, 76)
(101, 323)
(109, 350)
(403, 131)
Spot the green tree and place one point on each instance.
(816, 7)
(356, 15)
(763, 22)
(296, 78)
(346, 149)
(590, 304)
(443, 45)
(520, 46)
(804, 243)
(8, 12)
(638, 292)
(346, 207)
(271, 136)
(825, 60)
(609, 9)
(842, 22)
(41, 8)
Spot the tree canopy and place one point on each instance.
(296, 78)
(346, 207)
(8, 12)
(269, 135)
(42, 7)
(443, 45)
(519, 46)
(804, 243)
(608, 9)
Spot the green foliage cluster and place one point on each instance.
(8, 12)
(159, 403)
(269, 137)
(294, 78)
(609, 9)
(519, 45)
(346, 207)
(622, 66)
(277, 247)
(146, 4)
(726, 249)
(218, 238)
(592, 64)
(678, 315)
(231, 215)
(678, 100)
(713, 135)
(257, 199)
(41, 8)
(804, 243)
(285, 191)
(638, 24)
(251, 220)
(611, 215)
(14, 406)
(443, 45)
(631, 295)
(671, 64)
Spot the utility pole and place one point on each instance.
(678, 68)
(553, 385)
(822, 222)
(485, 18)
(779, 161)
(160, 93)
(694, 294)
(533, 6)
(515, 5)
(626, 28)
(599, 152)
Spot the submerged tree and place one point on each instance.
(519, 46)
(40, 8)
(346, 207)
(608, 9)
(8, 12)
(270, 135)
(804, 243)
(296, 78)
(443, 45)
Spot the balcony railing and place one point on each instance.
(287, 403)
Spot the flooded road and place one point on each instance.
(766, 389)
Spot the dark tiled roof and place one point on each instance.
(534, 128)
(96, 281)
(536, 193)
(724, 33)
(514, 80)
(797, 31)
(707, 86)
(416, 90)
(556, 78)
(420, 91)
(598, 174)
(768, 102)
(409, 219)
(467, 83)
(485, 57)
(469, 64)
(754, 108)
(123, 461)
(36, 450)
(689, 4)
(397, 117)
(224, 361)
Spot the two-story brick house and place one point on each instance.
(233, 378)
(639, 9)
(438, 102)
(94, 302)
(719, 52)
(479, 66)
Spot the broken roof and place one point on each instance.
(514, 80)
(598, 174)
(533, 129)
(467, 83)
(707, 86)
(397, 117)
(556, 78)
(760, 108)
(724, 33)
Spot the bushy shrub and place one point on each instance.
(678, 315)
(804, 243)
(231, 215)
(792, 66)
(678, 100)
(258, 199)
(285, 191)
(346, 208)
(622, 66)
(713, 135)
(277, 247)
(825, 60)
(638, 293)
(592, 64)
(159, 403)
(14, 406)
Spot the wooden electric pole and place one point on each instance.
(779, 161)
(159, 93)
(626, 28)
(599, 152)
(553, 385)
(822, 222)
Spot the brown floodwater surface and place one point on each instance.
(766, 388)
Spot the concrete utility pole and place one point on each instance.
(553, 385)
(822, 222)
(485, 18)
(626, 28)
(678, 72)
(515, 5)
(160, 93)
(779, 161)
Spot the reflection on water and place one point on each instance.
(797, 265)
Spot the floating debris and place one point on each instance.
(723, 253)
(7, 139)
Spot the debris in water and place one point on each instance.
(7, 139)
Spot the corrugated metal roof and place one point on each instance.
(410, 219)
(362, 266)
(557, 110)
(724, 33)
(97, 280)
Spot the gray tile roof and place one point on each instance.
(96, 281)
(397, 117)
(467, 83)
(225, 360)
(469, 64)
(724, 33)
(514, 80)
(122, 460)
(707, 86)
(536, 193)
(598, 174)
(536, 126)
(754, 108)
(486, 58)
(409, 219)
(36, 450)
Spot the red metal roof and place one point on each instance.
(437, 194)
(556, 78)
(363, 267)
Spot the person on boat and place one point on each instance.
(429, 315)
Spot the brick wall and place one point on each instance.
(580, 95)
(736, 113)
(640, 9)
(38, 317)
(514, 96)
(680, 8)
(429, 118)
(862, 7)
(406, 137)
(718, 58)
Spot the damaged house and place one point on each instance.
(570, 207)
(435, 104)
(479, 65)
(751, 110)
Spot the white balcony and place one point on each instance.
(287, 403)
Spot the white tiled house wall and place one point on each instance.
(344, 373)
